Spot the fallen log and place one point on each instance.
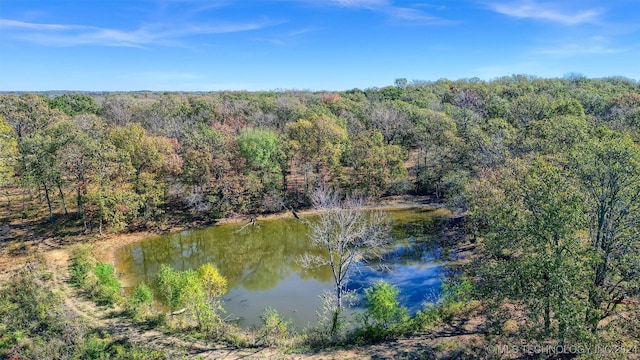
(178, 312)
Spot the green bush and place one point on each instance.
(108, 286)
(427, 317)
(81, 264)
(383, 306)
(189, 291)
(172, 286)
(275, 329)
(460, 291)
(139, 301)
(142, 295)
(456, 296)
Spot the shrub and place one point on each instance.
(171, 284)
(427, 317)
(140, 299)
(383, 305)
(214, 284)
(34, 322)
(460, 291)
(188, 290)
(142, 295)
(81, 264)
(274, 329)
(456, 299)
(108, 286)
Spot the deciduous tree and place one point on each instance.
(532, 252)
(350, 234)
(609, 168)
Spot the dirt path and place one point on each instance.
(109, 320)
(444, 344)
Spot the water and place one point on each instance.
(261, 264)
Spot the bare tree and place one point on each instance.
(350, 233)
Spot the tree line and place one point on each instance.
(136, 158)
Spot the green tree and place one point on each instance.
(79, 156)
(8, 154)
(146, 155)
(609, 168)
(75, 104)
(110, 198)
(440, 152)
(213, 170)
(530, 212)
(28, 115)
(319, 142)
(378, 168)
(263, 155)
(40, 161)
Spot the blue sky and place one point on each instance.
(198, 45)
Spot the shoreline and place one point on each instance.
(106, 246)
(56, 250)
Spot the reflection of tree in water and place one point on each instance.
(416, 239)
(258, 257)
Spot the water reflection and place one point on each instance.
(262, 268)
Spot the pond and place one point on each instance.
(261, 264)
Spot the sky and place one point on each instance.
(211, 45)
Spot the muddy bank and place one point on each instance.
(21, 241)
(106, 246)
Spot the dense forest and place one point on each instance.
(135, 158)
(544, 172)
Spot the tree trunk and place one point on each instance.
(23, 200)
(336, 314)
(80, 211)
(64, 203)
(547, 316)
(547, 303)
(334, 322)
(46, 194)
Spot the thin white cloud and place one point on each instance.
(404, 14)
(366, 4)
(407, 15)
(529, 9)
(7, 24)
(596, 45)
(593, 45)
(163, 34)
(417, 16)
(287, 38)
(579, 49)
